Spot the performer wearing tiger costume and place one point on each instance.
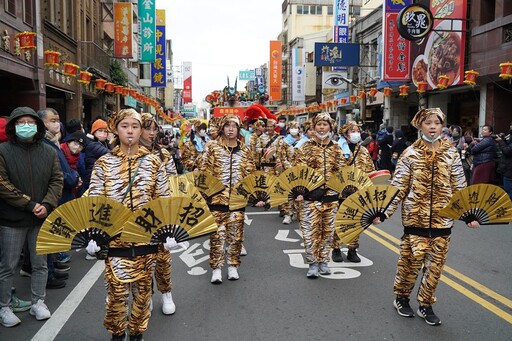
(259, 129)
(194, 142)
(318, 208)
(428, 173)
(272, 143)
(355, 154)
(163, 257)
(131, 175)
(229, 160)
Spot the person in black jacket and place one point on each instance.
(398, 147)
(505, 167)
(385, 150)
(92, 151)
(484, 153)
(30, 187)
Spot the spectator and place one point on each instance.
(505, 167)
(398, 147)
(484, 153)
(385, 149)
(373, 149)
(92, 151)
(30, 189)
(99, 132)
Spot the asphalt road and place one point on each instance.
(273, 299)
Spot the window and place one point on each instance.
(487, 12)
(10, 6)
(299, 9)
(305, 10)
(27, 12)
(330, 10)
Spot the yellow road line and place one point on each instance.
(487, 305)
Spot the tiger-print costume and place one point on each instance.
(253, 145)
(192, 153)
(427, 180)
(229, 165)
(316, 218)
(362, 160)
(110, 179)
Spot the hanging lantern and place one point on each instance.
(361, 94)
(336, 102)
(27, 40)
(422, 87)
(373, 92)
(70, 69)
(506, 70)
(353, 99)
(51, 58)
(133, 92)
(388, 92)
(100, 84)
(126, 91)
(344, 101)
(470, 77)
(442, 81)
(84, 77)
(118, 89)
(109, 87)
(404, 90)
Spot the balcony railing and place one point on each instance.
(93, 56)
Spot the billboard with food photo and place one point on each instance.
(442, 51)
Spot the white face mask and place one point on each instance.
(251, 129)
(281, 125)
(53, 127)
(294, 131)
(429, 139)
(202, 132)
(354, 137)
(74, 147)
(322, 136)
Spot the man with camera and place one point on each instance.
(505, 166)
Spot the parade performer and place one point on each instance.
(259, 129)
(428, 174)
(133, 176)
(274, 160)
(308, 130)
(163, 257)
(229, 160)
(318, 208)
(193, 148)
(357, 155)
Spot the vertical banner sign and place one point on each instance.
(298, 93)
(158, 78)
(187, 82)
(397, 50)
(341, 18)
(122, 30)
(275, 70)
(147, 34)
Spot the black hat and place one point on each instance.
(77, 136)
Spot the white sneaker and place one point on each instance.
(287, 220)
(216, 276)
(151, 304)
(90, 257)
(233, 273)
(244, 251)
(7, 318)
(168, 306)
(40, 311)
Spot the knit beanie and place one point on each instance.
(98, 124)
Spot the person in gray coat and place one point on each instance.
(31, 183)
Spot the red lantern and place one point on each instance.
(51, 58)
(388, 92)
(361, 94)
(70, 69)
(422, 87)
(373, 92)
(109, 87)
(118, 89)
(27, 40)
(353, 99)
(132, 93)
(506, 70)
(85, 77)
(100, 84)
(344, 101)
(442, 81)
(470, 77)
(336, 102)
(404, 90)
(126, 91)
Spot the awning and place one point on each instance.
(63, 90)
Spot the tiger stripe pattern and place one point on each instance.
(226, 243)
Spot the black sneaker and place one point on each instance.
(61, 275)
(402, 307)
(136, 337)
(428, 314)
(352, 256)
(60, 267)
(54, 283)
(118, 337)
(337, 256)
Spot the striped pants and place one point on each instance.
(226, 243)
(417, 252)
(163, 270)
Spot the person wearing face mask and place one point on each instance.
(193, 148)
(355, 154)
(99, 132)
(317, 209)
(307, 127)
(30, 186)
(281, 125)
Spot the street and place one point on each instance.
(273, 299)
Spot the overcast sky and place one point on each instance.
(220, 38)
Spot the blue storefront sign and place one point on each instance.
(336, 54)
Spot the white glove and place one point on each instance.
(92, 247)
(170, 243)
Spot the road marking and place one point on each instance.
(477, 299)
(262, 213)
(59, 318)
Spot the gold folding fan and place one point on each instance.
(253, 188)
(487, 204)
(180, 218)
(180, 186)
(357, 212)
(73, 224)
(205, 183)
(294, 181)
(348, 180)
